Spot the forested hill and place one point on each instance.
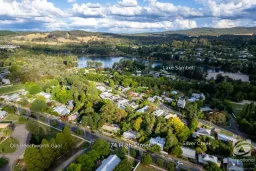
(189, 32)
(207, 32)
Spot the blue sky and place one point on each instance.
(125, 16)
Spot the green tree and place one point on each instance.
(38, 105)
(124, 165)
(170, 166)
(68, 137)
(212, 167)
(74, 167)
(146, 159)
(102, 147)
(176, 151)
(47, 153)
(154, 148)
(34, 160)
(159, 162)
(61, 141)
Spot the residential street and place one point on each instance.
(92, 136)
(22, 135)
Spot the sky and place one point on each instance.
(125, 16)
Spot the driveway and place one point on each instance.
(22, 135)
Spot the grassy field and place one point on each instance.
(11, 117)
(237, 108)
(147, 168)
(5, 146)
(9, 89)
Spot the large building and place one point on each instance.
(109, 164)
(158, 141)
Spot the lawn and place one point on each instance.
(141, 167)
(11, 117)
(5, 147)
(9, 89)
(226, 133)
(16, 118)
(237, 108)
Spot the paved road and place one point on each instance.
(22, 135)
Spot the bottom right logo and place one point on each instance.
(242, 148)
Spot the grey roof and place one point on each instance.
(109, 164)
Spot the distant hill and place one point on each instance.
(209, 31)
(6, 32)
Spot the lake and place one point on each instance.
(234, 76)
(107, 62)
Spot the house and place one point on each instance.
(198, 96)
(133, 105)
(167, 99)
(106, 95)
(181, 103)
(122, 103)
(205, 158)
(152, 99)
(142, 110)
(109, 164)
(130, 135)
(111, 128)
(203, 132)
(138, 73)
(226, 138)
(170, 116)
(158, 112)
(70, 104)
(233, 164)
(188, 153)
(73, 116)
(101, 88)
(14, 97)
(6, 81)
(3, 114)
(158, 141)
(47, 96)
(61, 110)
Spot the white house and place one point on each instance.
(109, 164)
(174, 92)
(181, 103)
(189, 153)
(205, 158)
(111, 128)
(142, 110)
(203, 132)
(101, 88)
(233, 164)
(158, 141)
(158, 112)
(226, 138)
(61, 110)
(206, 109)
(130, 135)
(152, 99)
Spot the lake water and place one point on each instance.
(234, 76)
(107, 62)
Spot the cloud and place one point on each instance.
(128, 3)
(125, 15)
(71, 1)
